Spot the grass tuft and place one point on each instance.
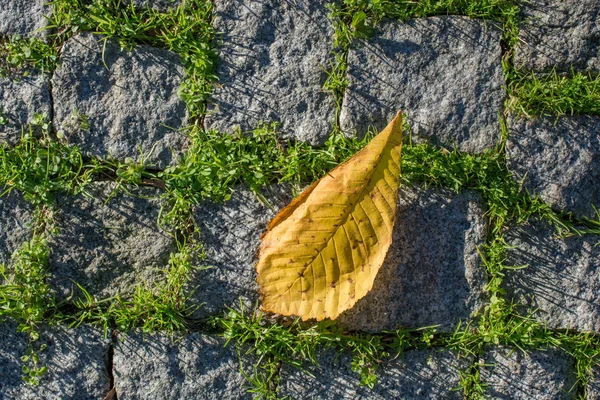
(554, 94)
(187, 30)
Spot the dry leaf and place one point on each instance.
(321, 253)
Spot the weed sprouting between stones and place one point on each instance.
(25, 295)
(554, 94)
(186, 30)
(18, 54)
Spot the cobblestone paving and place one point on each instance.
(395, 71)
(445, 72)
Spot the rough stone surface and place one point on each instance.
(24, 17)
(540, 375)
(161, 5)
(193, 367)
(444, 73)
(76, 361)
(416, 374)
(559, 160)
(559, 33)
(128, 98)
(230, 233)
(271, 67)
(20, 99)
(108, 248)
(593, 387)
(432, 274)
(562, 280)
(16, 217)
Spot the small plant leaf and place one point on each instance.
(321, 253)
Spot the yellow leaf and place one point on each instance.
(321, 253)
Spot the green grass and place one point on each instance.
(25, 295)
(186, 30)
(18, 54)
(554, 94)
(39, 166)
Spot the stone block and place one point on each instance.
(155, 366)
(539, 375)
(433, 274)
(559, 160)
(593, 387)
(559, 33)
(231, 234)
(76, 360)
(108, 245)
(159, 5)
(118, 103)
(16, 219)
(24, 17)
(562, 278)
(21, 98)
(272, 57)
(415, 374)
(444, 73)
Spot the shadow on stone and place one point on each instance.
(75, 359)
(444, 73)
(156, 366)
(432, 274)
(559, 160)
(562, 278)
(540, 374)
(272, 55)
(108, 248)
(230, 233)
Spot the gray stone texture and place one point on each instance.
(593, 387)
(24, 17)
(562, 280)
(129, 100)
(559, 160)
(155, 366)
(559, 33)
(160, 5)
(444, 73)
(432, 274)
(272, 57)
(539, 375)
(108, 245)
(75, 358)
(16, 219)
(415, 374)
(230, 233)
(21, 97)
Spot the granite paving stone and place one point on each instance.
(559, 160)
(433, 273)
(16, 219)
(230, 233)
(160, 5)
(76, 360)
(114, 102)
(538, 375)
(195, 366)
(561, 34)
(593, 387)
(21, 98)
(562, 280)
(24, 17)
(272, 56)
(444, 73)
(108, 245)
(415, 374)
